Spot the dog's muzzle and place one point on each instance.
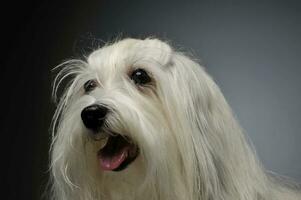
(119, 151)
(94, 116)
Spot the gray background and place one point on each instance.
(251, 48)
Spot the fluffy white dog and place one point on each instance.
(140, 120)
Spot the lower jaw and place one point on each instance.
(126, 163)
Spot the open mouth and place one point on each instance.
(118, 153)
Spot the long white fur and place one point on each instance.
(191, 146)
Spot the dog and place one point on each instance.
(140, 120)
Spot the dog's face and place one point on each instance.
(130, 110)
(124, 111)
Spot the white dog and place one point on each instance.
(140, 120)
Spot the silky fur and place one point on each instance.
(191, 146)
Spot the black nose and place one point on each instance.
(94, 116)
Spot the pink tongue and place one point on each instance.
(112, 162)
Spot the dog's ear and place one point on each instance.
(157, 43)
(155, 49)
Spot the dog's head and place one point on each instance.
(139, 113)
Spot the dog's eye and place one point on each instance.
(140, 77)
(90, 85)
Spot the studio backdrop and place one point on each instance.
(252, 49)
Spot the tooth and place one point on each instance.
(103, 142)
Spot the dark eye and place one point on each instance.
(90, 85)
(140, 77)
